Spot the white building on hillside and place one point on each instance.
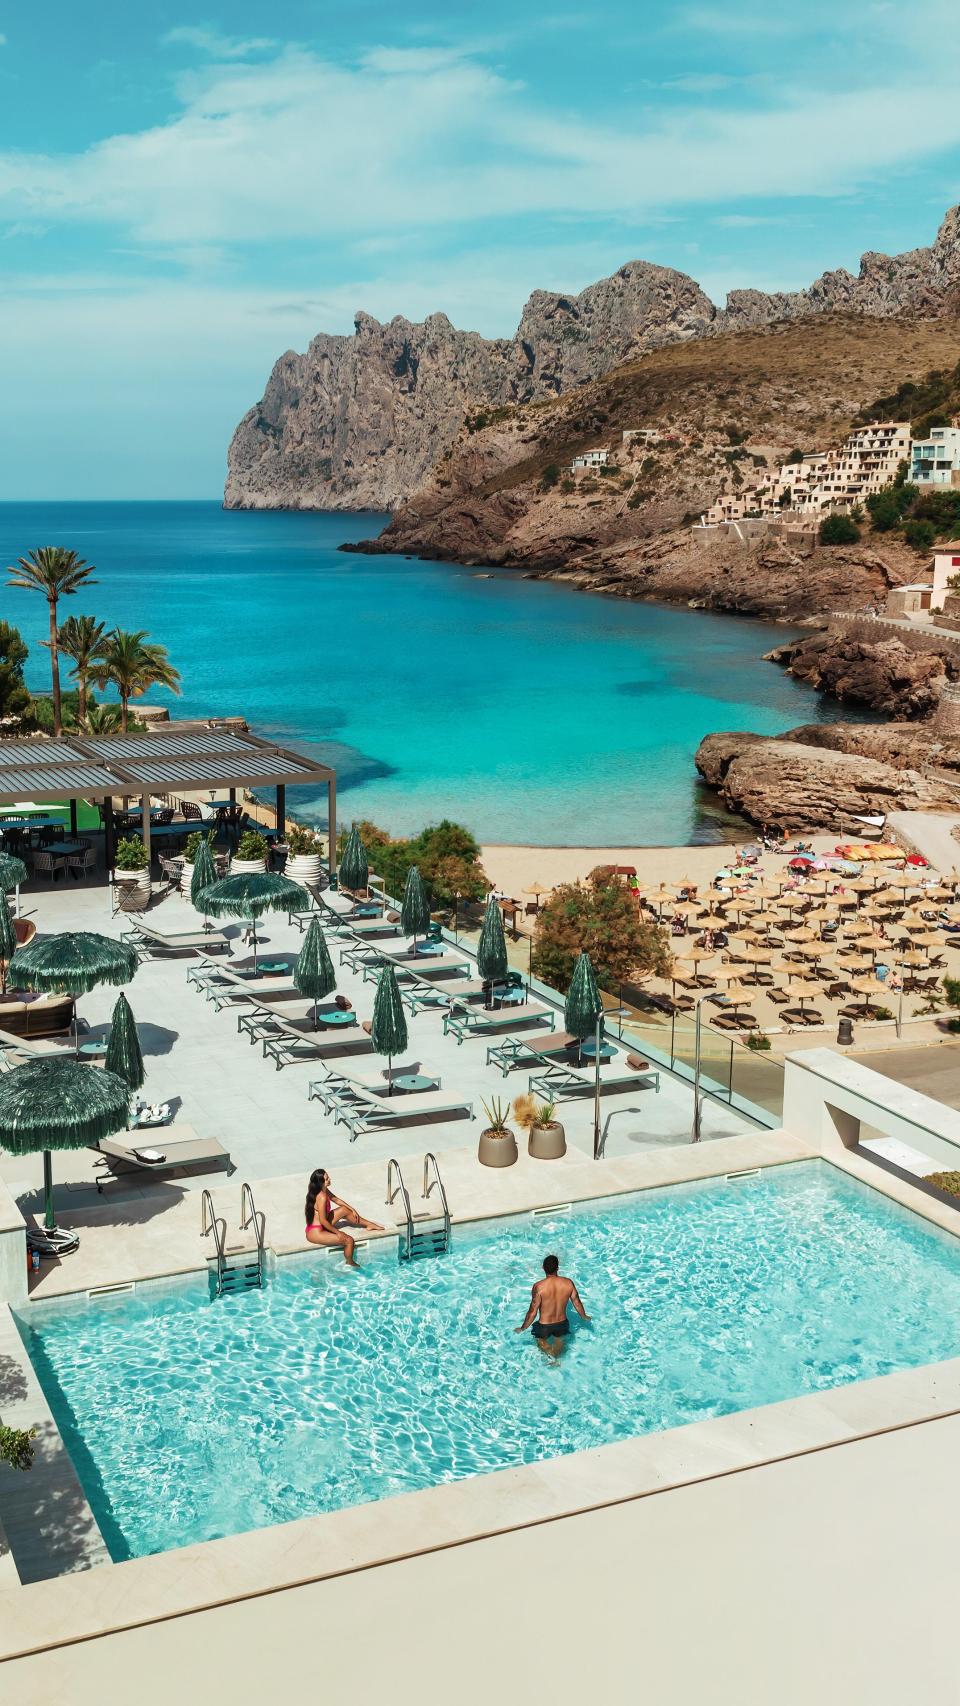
(590, 459)
(823, 480)
(935, 460)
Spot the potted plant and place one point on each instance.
(546, 1138)
(251, 854)
(498, 1146)
(303, 855)
(131, 873)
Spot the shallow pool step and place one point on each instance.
(427, 1238)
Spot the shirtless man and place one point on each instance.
(549, 1300)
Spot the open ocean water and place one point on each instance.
(528, 711)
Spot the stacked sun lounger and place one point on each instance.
(542, 1048)
(462, 1022)
(558, 1083)
(361, 1108)
(151, 942)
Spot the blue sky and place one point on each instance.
(185, 194)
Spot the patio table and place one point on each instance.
(411, 1082)
(588, 1049)
(338, 1017)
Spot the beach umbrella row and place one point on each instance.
(354, 871)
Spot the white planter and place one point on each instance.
(239, 866)
(304, 868)
(133, 889)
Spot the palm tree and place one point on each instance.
(81, 639)
(103, 720)
(132, 663)
(56, 572)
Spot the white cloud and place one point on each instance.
(297, 148)
(216, 45)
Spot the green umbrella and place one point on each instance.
(13, 872)
(246, 894)
(388, 1032)
(313, 973)
(204, 873)
(56, 1103)
(72, 963)
(415, 909)
(492, 945)
(583, 1003)
(8, 941)
(124, 1057)
(354, 869)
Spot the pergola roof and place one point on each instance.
(178, 757)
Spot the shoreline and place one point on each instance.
(515, 868)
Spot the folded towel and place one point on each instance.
(152, 1156)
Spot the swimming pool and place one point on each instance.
(189, 1418)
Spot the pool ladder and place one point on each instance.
(239, 1267)
(426, 1233)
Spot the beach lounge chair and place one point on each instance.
(148, 940)
(362, 1110)
(423, 969)
(288, 1044)
(463, 1022)
(417, 992)
(524, 1051)
(558, 1083)
(118, 1159)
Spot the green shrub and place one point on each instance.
(302, 841)
(757, 1041)
(880, 1013)
(192, 847)
(839, 530)
(251, 845)
(948, 1182)
(951, 991)
(129, 854)
(920, 536)
(16, 1447)
(550, 476)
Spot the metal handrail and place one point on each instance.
(249, 1213)
(427, 1188)
(209, 1223)
(393, 1166)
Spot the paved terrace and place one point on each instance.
(221, 1086)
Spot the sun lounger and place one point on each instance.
(118, 1159)
(148, 940)
(558, 1083)
(361, 1110)
(288, 1044)
(524, 1051)
(417, 992)
(466, 1022)
(425, 970)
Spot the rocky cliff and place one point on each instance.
(822, 778)
(903, 678)
(359, 421)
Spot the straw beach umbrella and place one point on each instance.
(414, 910)
(204, 874)
(313, 973)
(388, 1030)
(124, 1055)
(13, 872)
(73, 963)
(354, 870)
(8, 941)
(248, 894)
(492, 945)
(583, 1005)
(56, 1103)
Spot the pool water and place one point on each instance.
(189, 1418)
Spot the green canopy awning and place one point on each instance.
(313, 973)
(388, 1032)
(72, 963)
(492, 961)
(415, 908)
(57, 1103)
(354, 870)
(583, 1002)
(124, 1055)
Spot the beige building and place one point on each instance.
(823, 481)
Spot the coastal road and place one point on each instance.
(934, 1069)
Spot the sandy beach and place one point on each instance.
(516, 869)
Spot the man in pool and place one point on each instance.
(549, 1300)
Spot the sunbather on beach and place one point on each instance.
(327, 1216)
(549, 1300)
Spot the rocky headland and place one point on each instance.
(360, 421)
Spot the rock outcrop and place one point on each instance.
(901, 679)
(799, 786)
(358, 422)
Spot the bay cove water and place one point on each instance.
(530, 712)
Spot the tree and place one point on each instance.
(131, 663)
(14, 696)
(103, 720)
(447, 854)
(81, 639)
(839, 530)
(601, 918)
(57, 573)
(920, 536)
(16, 1446)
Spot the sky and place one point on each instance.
(185, 194)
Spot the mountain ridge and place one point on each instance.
(359, 420)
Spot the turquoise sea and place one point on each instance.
(531, 712)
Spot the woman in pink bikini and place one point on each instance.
(327, 1215)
